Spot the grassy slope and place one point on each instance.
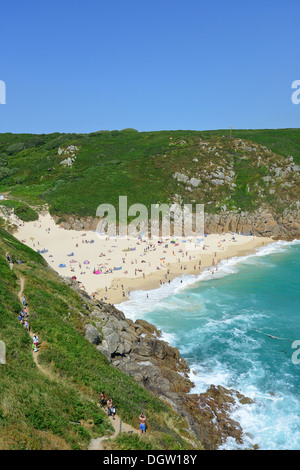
(39, 411)
(139, 165)
(23, 211)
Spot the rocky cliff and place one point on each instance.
(263, 222)
(138, 350)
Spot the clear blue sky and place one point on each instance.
(83, 66)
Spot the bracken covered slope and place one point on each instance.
(55, 405)
(250, 171)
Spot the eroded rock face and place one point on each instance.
(215, 407)
(92, 334)
(261, 222)
(137, 350)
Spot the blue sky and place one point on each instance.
(73, 66)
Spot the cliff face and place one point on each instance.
(136, 349)
(244, 186)
(262, 222)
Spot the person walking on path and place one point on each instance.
(111, 411)
(142, 419)
(35, 341)
(103, 400)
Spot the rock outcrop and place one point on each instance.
(262, 222)
(137, 349)
(92, 334)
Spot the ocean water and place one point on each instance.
(236, 328)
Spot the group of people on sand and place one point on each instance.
(111, 411)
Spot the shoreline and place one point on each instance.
(155, 280)
(110, 268)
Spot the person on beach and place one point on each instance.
(142, 419)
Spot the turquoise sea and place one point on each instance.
(236, 328)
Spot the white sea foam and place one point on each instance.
(139, 304)
(269, 421)
(202, 377)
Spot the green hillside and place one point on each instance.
(53, 404)
(100, 166)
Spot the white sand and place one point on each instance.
(140, 269)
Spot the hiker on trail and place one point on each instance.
(111, 411)
(20, 318)
(103, 401)
(35, 341)
(142, 419)
(26, 324)
(24, 300)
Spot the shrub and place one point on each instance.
(3, 159)
(58, 141)
(21, 209)
(5, 172)
(15, 148)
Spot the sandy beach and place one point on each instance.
(109, 268)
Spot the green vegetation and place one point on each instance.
(54, 406)
(22, 210)
(140, 165)
(162, 441)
